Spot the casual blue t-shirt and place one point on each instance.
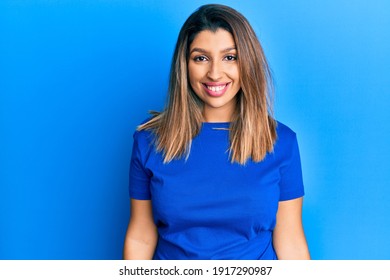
(206, 207)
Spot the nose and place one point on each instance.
(215, 71)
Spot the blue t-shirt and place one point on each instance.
(206, 207)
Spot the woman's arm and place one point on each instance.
(288, 238)
(141, 236)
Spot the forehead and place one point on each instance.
(219, 39)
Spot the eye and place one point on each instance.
(200, 58)
(230, 58)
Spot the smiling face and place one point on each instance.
(214, 74)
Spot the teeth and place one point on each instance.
(218, 88)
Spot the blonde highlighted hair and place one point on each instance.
(252, 129)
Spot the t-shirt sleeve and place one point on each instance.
(139, 177)
(291, 183)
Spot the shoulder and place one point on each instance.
(286, 139)
(143, 136)
(284, 132)
(143, 143)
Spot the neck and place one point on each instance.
(217, 114)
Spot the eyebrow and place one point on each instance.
(205, 51)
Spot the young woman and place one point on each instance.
(215, 176)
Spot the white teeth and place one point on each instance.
(218, 88)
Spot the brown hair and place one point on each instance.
(253, 128)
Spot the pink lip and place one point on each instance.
(218, 92)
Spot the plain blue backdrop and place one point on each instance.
(76, 77)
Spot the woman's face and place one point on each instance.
(213, 73)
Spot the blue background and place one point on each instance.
(76, 77)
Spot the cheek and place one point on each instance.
(191, 74)
(194, 76)
(237, 81)
(234, 73)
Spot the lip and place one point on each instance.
(216, 93)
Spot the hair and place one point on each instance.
(252, 131)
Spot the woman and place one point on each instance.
(214, 176)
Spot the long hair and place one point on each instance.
(252, 129)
